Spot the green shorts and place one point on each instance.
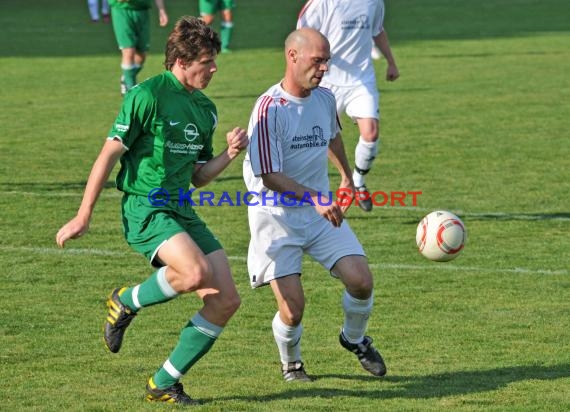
(147, 227)
(209, 7)
(132, 28)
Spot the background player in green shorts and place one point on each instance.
(163, 139)
(131, 25)
(208, 10)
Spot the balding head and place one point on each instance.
(300, 38)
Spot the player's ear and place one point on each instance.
(292, 53)
(181, 63)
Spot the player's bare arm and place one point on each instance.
(337, 155)
(381, 40)
(204, 173)
(108, 157)
(162, 15)
(281, 183)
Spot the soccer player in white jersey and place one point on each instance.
(353, 27)
(293, 132)
(93, 6)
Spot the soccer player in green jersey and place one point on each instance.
(163, 139)
(208, 10)
(131, 25)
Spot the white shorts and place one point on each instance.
(362, 101)
(281, 235)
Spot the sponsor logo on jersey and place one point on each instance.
(191, 132)
(358, 23)
(184, 148)
(122, 127)
(315, 139)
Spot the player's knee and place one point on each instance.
(230, 305)
(361, 287)
(207, 18)
(195, 276)
(292, 316)
(369, 131)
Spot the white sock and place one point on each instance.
(364, 156)
(356, 314)
(105, 7)
(288, 339)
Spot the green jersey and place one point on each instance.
(166, 130)
(131, 4)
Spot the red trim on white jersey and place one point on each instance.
(264, 148)
(304, 9)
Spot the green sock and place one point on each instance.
(129, 76)
(195, 341)
(226, 30)
(152, 291)
(137, 68)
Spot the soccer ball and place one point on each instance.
(440, 236)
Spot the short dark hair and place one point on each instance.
(189, 39)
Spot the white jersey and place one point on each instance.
(290, 135)
(349, 25)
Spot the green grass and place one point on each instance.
(478, 122)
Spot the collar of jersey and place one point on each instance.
(175, 81)
(295, 99)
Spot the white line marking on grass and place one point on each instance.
(60, 194)
(399, 266)
(445, 266)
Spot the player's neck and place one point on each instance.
(294, 90)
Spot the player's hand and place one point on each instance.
(73, 229)
(392, 73)
(332, 212)
(237, 141)
(162, 18)
(345, 196)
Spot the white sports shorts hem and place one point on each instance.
(359, 102)
(280, 236)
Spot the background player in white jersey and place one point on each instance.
(352, 28)
(94, 12)
(293, 131)
(163, 139)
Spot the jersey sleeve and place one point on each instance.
(311, 15)
(134, 118)
(378, 19)
(264, 131)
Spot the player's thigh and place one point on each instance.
(183, 255)
(354, 273)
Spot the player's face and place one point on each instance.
(314, 59)
(198, 73)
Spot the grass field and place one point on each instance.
(479, 122)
